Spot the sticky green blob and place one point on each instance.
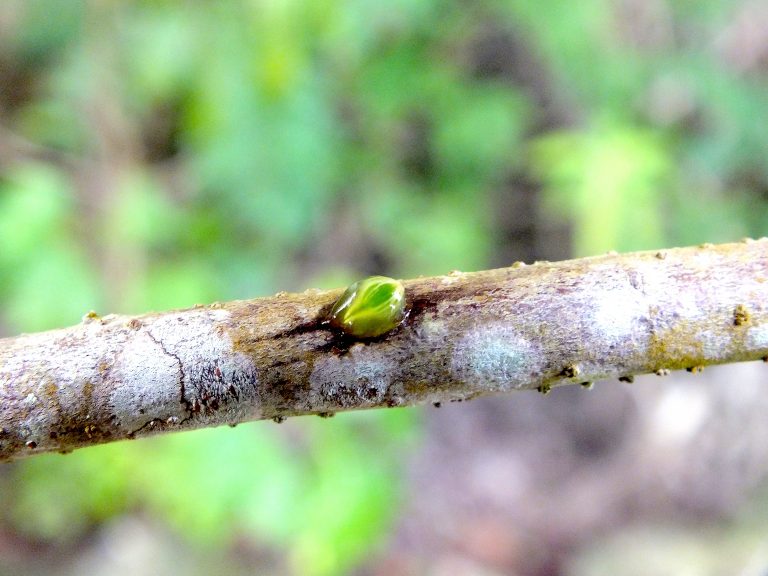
(370, 307)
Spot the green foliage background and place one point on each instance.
(169, 153)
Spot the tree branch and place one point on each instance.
(466, 335)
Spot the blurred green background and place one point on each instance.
(160, 154)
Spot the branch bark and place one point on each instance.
(466, 335)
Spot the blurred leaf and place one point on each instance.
(180, 284)
(592, 63)
(712, 216)
(63, 496)
(428, 237)
(35, 204)
(477, 135)
(55, 287)
(609, 183)
(141, 214)
(353, 494)
(51, 122)
(327, 498)
(162, 69)
(277, 154)
(200, 482)
(37, 36)
(52, 283)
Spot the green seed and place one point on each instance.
(370, 307)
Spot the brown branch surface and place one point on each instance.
(466, 335)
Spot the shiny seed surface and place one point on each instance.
(370, 307)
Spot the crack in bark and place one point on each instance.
(182, 400)
(133, 433)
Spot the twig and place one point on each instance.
(523, 327)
